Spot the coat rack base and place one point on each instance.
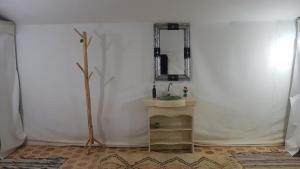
(93, 142)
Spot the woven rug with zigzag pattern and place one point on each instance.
(155, 160)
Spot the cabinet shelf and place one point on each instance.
(174, 141)
(170, 129)
(170, 143)
(179, 122)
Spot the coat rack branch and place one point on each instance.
(80, 67)
(90, 39)
(76, 30)
(90, 75)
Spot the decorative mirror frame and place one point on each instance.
(187, 52)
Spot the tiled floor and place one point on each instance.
(77, 157)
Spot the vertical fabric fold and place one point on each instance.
(292, 141)
(11, 128)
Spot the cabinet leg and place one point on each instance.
(193, 148)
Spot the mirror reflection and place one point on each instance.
(171, 51)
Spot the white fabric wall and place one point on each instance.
(293, 130)
(241, 76)
(11, 130)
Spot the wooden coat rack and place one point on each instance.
(85, 70)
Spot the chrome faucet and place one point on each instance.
(170, 84)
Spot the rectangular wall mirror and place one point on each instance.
(172, 58)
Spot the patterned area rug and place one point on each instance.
(76, 157)
(35, 163)
(166, 161)
(280, 160)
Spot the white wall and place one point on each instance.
(95, 11)
(241, 76)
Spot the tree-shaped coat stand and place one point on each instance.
(85, 70)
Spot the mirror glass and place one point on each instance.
(171, 51)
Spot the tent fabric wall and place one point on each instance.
(11, 129)
(293, 130)
(241, 77)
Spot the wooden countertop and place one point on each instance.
(185, 101)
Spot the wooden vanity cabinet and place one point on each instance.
(170, 123)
